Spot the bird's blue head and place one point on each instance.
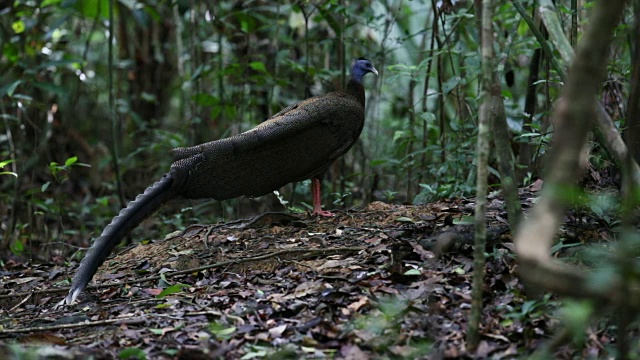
(360, 68)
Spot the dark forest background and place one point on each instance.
(94, 94)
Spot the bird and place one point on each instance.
(298, 143)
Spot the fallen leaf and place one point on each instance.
(277, 331)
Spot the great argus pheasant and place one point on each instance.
(298, 143)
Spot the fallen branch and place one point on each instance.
(118, 321)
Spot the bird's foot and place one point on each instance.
(322, 213)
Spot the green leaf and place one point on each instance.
(404, 219)
(523, 28)
(12, 88)
(70, 161)
(258, 66)
(450, 84)
(148, 97)
(18, 26)
(17, 247)
(428, 117)
(221, 331)
(399, 134)
(50, 2)
(157, 331)
(173, 289)
(215, 111)
(561, 245)
(10, 51)
(136, 353)
(93, 8)
(5, 163)
(465, 220)
(413, 272)
(22, 97)
(45, 186)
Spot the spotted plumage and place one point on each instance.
(298, 143)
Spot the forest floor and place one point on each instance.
(385, 281)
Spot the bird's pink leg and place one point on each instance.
(317, 199)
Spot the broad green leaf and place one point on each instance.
(428, 116)
(221, 331)
(450, 84)
(258, 66)
(91, 9)
(12, 88)
(5, 163)
(399, 134)
(413, 272)
(523, 28)
(70, 161)
(173, 289)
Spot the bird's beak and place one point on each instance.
(373, 70)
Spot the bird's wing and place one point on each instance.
(293, 145)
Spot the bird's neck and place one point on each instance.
(356, 89)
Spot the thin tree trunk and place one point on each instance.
(525, 152)
(482, 159)
(491, 84)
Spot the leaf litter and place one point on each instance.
(387, 281)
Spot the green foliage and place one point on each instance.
(340, 199)
(577, 315)
(132, 353)
(173, 289)
(389, 195)
(61, 172)
(5, 163)
(527, 314)
(221, 331)
(382, 326)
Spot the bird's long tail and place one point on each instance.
(139, 209)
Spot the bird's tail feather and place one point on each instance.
(139, 209)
